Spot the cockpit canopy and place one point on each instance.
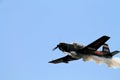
(78, 45)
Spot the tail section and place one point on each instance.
(106, 49)
(114, 52)
(107, 52)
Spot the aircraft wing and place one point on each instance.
(96, 44)
(63, 60)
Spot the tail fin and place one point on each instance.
(105, 49)
(114, 52)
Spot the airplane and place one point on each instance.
(76, 51)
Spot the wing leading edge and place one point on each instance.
(63, 60)
(97, 44)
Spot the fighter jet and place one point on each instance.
(76, 51)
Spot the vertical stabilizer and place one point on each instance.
(106, 49)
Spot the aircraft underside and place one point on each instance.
(81, 55)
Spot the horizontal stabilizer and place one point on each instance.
(115, 52)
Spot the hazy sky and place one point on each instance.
(30, 29)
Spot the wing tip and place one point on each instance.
(106, 36)
(51, 62)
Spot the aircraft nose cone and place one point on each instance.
(62, 46)
(56, 47)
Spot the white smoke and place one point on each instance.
(110, 62)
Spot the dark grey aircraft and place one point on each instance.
(76, 51)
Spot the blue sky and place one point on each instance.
(29, 30)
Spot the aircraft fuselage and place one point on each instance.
(74, 51)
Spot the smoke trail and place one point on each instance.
(110, 62)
